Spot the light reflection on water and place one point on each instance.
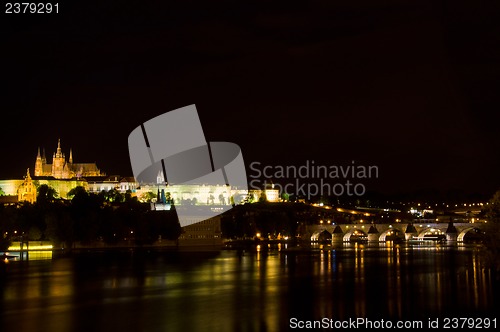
(249, 290)
(33, 255)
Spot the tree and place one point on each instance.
(222, 200)
(168, 197)
(127, 197)
(2, 193)
(113, 196)
(493, 209)
(492, 232)
(77, 191)
(60, 227)
(147, 197)
(7, 218)
(34, 233)
(84, 213)
(46, 194)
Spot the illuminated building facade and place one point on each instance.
(62, 169)
(112, 182)
(21, 188)
(63, 175)
(27, 190)
(201, 194)
(206, 232)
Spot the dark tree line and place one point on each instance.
(492, 241)
(87, 218)
(268, 219)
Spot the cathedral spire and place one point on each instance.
(38, 164)
(70, 156)
(58, 152)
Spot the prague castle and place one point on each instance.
(63, 175)
(62, 169)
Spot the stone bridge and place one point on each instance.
(382, 232)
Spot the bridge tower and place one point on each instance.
(373, 234)
(337, 235)
(410, 232)
(451, 232)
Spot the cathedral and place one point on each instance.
(62, 169)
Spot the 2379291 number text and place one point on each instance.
(31, 8)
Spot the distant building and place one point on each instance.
(27, 190)
(116, 182)
(270, 195)
(206, 232)
(16, 191)
(62, 187)
(63, 175)
(62, 169)
(189, 194)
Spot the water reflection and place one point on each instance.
(34, 255)
(256, 289)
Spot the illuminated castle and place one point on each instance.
(62, 169)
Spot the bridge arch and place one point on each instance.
(392, 234)
(321, 235)
(457, 232)
(468, 230)
(432, 232)
(355, 234)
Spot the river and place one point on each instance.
(258, 289)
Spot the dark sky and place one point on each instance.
(412, 87)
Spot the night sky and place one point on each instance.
(412, 87)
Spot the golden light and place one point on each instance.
(31, 247)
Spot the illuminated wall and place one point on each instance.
(196, 194)
(207, 195)
(62, 187)
(10, 187)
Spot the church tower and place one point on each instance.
(58, 162)
(62, 169)
(38, 164)
(27, 190)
